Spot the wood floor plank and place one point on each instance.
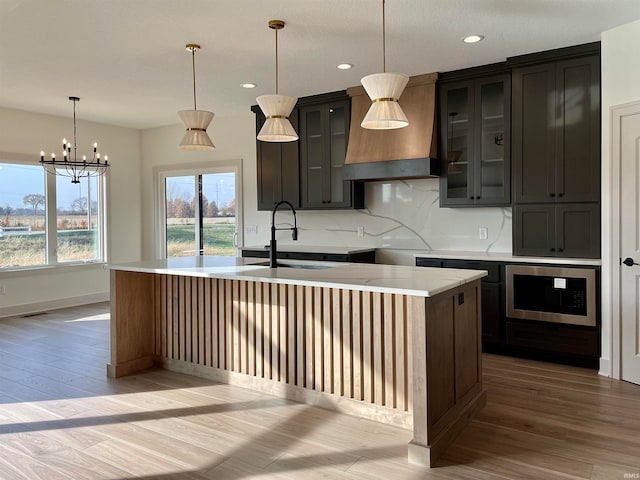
(62, 418)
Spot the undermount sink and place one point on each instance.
(306, 266)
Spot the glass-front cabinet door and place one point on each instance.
(457, 117)
(323, 148)
(474, 120)
(492, 166)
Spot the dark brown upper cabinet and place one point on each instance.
(308, 172)
(474, 137)
(277, 166)
(324, 135)
(556, 131)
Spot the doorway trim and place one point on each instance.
(189, 169)
(611, 268)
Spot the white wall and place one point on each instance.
(620, 85)
(27, 133)
(234, 138)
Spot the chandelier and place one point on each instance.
(70, 166)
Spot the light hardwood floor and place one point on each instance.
(62, 418)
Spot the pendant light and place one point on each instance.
(277, 108)
(384, 89)
(195, 120)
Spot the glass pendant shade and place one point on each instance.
(196, 122)
(277, 127)
(385, 112)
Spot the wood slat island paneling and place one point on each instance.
(407, 360)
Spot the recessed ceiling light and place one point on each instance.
(473, 38)
(344, 66)
(248, 85)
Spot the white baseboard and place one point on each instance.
(605, 367)
(29, 308)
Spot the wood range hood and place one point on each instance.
(403, 153)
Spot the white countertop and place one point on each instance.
(403, 280)
(505, 257)
(313, 249)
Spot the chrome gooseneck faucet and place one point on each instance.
(273, 254)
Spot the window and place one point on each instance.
(46, 220)
(198, 211)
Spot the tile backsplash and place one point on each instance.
(403, 215)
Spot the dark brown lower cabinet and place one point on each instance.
(570, 230)
(365, 256)
(492, 293)
(549, 342)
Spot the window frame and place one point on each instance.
(51, 239)
(201, 168)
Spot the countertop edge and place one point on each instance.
(506, 257)
(265, 275)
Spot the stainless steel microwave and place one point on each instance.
(552, 294)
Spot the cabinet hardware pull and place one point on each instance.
(561, 194)
(561, 249)
(553, 249)
(552, 194)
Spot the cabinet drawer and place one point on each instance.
(492, 268)
(553, 338)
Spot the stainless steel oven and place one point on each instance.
(552, 294)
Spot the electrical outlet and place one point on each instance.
(3, 289)
(483, 233)
(361, 232)
(251, 229)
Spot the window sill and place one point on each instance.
(49, 269)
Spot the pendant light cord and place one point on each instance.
(276, 61)
(193, 69)
(384, 39)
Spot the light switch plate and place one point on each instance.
(483, 233)
(361, 231)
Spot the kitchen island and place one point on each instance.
(396, 344)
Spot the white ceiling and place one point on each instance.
(127, 62)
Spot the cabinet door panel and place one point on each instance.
(534, 133)
(533, 232)
(491, 312)
(338, 138)
(456, 119)
(312, 150)
(578, 148)
(324, 134)
(269, 183)
(578, 230)
(492, 163)
(277, 169)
